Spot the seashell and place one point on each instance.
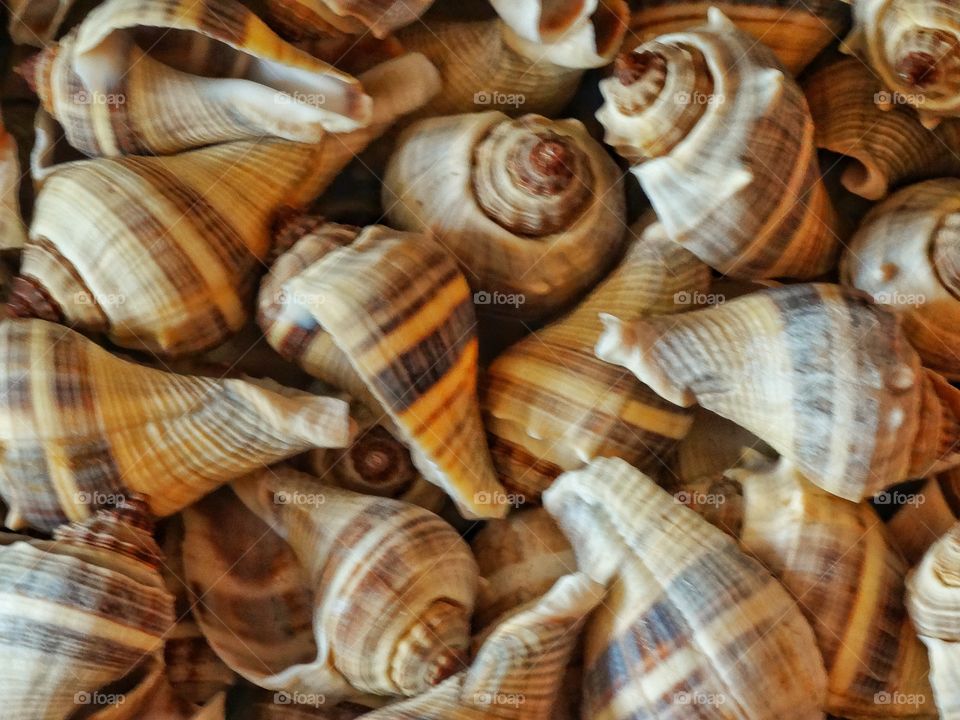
(83, 616)
(713, 445)
(933, 599)
(250, 703)
(819, 373)
(520, 558)
(884, 149)
(550, 405)
(518, 670)
(834, 557)
(312, 18)
(721, 140)
(36, 23)
(13, 233)
(906, 255)
(390, 313)
(82, 428)
(690, 625)
(532, 209)
(913, 47)
(391, 616)
(918, 525)
(193, 229)
(795, 32)
(530, 60)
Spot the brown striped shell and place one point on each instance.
(550, 405)
(323, 18)
(13, 231)
(817, 371)
(721, 140)
(36, 23)
(388, 318)
(690, 626)
(81, 428)
(917, 525)
(532, 209)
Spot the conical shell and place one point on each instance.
(157, 77)
(550, 405)
(690, 625)
(884, 148)
(36, 23)
(13, 232)
(389, 587)
(721, 139)
(532, 209)
(918, 525)
(393, 308)
(933, 599)
(906, 255)
(81, 428)
(191, 231)
(815, 370)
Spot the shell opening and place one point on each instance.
(929, 60)
(433, 648)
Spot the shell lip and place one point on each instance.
(30, 299)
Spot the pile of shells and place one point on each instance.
(464, 359)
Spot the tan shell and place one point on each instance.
(906, 255)
(532, 209)
(918, 525)
(312, 18)
(815, 370)
(689, 624)
(713, 445)
(13, 231)
(550, 405)
(721, 140)
(36, 22)
(81, 428)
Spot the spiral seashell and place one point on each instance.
(13, 232)
(81, 428)
(713, 445)
(550, 405)
(913, 46)
(191, 230)
(162, 76)
(795, 32)
(36, 23)
(376, 598)
(917, 525)
(884, 149)
(532, 209)
(689, 623)
(313, 18)
(391, 313)
(933, 599)
(906, 255)
(818, 372)
(721, 140)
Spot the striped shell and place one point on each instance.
(933, 599)
(913, 46)
(690, 625)
(906, 255)
(376, 598)
(390, 312)
(721, 140)
(36, 23)
(156, 77)
(884, 149)
(532, 209)
(550, 405)
(13, 232)
(312, 18)
(918, 525)
(81, 428)
(815, 370)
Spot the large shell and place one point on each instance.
(885, 148)
(906, 255)
(387, 587)
(815, 370)
(321, 18)
(391, 313)
(721, 140)
(532, 209)
(156, 77)
(191, 231)
(690, 625)
(933, 599)
(913, 46)
(919, 524)
(550, 405)
(81, 428)
(36, 22)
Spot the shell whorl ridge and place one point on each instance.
(311, 18)
(722, 144)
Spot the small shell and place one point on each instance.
(550, 405)
(389, 316)
(816, 370)
(81, 428)
(312, 18)
(721, 140)
(933, 599)
(532, 209)
(690, 625)
(918, 525)
(13, 232)
(885, 148)
(906, 255)
(36, 23)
